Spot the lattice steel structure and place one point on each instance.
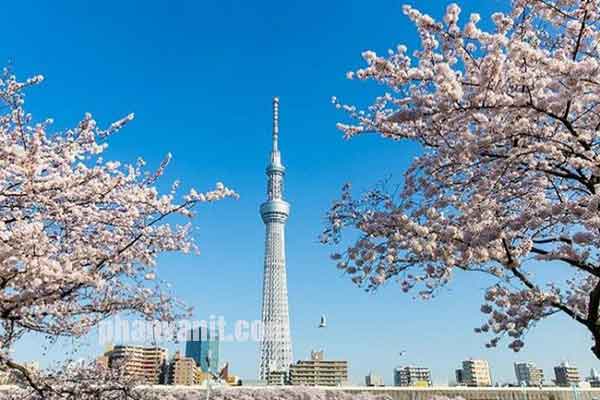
(276, 345)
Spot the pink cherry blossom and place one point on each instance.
(508, 121)
(80, 236)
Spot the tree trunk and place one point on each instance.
(596, 337)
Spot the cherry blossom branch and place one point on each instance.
(508, 123)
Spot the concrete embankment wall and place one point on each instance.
(482, 393)
(395, 393)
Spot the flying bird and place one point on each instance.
(323, 322)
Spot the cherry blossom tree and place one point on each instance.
(79, 235)
(71, 380)
(508, 180)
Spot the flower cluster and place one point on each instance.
(79, 236)
(72, 380)
(509, 176)
(104, 389)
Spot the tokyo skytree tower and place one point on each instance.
(276, 345)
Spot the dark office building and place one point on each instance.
(203, 346)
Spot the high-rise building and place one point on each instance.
(202, 345)
(412, 376)
(319, 372)
(184, 371)
(476, 373)
(374, 380)
(276, 344)
(566, 375)
(146, 363)
(528, 374)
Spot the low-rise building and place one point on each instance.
(594, 378)
(412, 376)
(184, 371)
(319, 372)
(277, 378)
(566, 375)
(233, 380)
(374, 380)
(253, 382)
(104, 360)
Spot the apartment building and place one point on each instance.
(412, 376)
(149, 364)
(475, 373)
(566, 375)
(319, 372)
(184, 371)
(528, 374)
(374, 380)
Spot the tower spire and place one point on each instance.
(275, 155)
(275, 124)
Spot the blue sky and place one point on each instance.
(199, 77)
